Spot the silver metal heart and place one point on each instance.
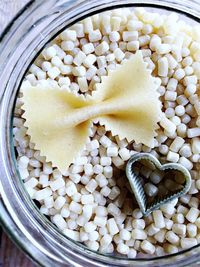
(137, 186)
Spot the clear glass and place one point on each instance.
(24, 38)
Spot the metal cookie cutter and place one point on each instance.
(137, 186)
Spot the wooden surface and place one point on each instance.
(8, 9)
(10, 255)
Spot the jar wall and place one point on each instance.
(20, 44)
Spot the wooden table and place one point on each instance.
(10, 255)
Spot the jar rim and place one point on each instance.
(7, 153)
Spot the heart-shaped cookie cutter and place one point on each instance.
(137, 186)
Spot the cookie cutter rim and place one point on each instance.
(137, 186)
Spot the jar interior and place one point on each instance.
(33, 205)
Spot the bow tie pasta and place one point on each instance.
(126, 103)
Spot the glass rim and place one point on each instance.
(6, 160)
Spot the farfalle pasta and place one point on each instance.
(125, 102)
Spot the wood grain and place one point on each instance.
(10, 255)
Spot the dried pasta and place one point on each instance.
(126, 102)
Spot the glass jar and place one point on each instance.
(21, 42)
